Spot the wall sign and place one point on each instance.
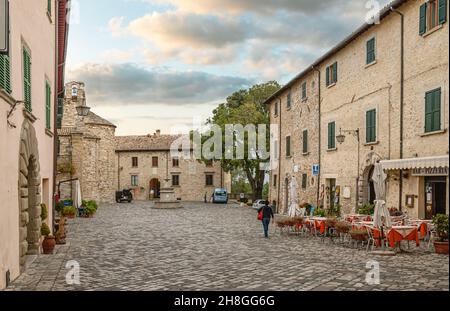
(4, 26)
(315, 169)
(430, 171)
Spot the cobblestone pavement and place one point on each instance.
(215, 247)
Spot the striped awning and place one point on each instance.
(413, 163)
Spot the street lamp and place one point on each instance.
(341, 139)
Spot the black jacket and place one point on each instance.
(267, 211)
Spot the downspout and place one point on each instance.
(55, 116)
(402, 76)
(320, 135)
(280, 112)
(118, 171)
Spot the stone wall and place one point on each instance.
(192, 175)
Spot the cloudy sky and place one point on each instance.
(159, 64)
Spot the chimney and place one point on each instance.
(158, 133)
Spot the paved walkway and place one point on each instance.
(215, 247)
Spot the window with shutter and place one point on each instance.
(49, 7)
(48, 101)
(423, 19)
(432, 14)
(60, 112)
(442, 11)
(331, 135)
(288, 146)
(288, 101)
(27, 79)
(335, 75)
(305, 141)
(370, 51)
(331, 74)
(371, 126)
(5, 73)
(304, 91)
(175, 180)
(328, 76)
(433, 111)
(304, 181)
(276, 108)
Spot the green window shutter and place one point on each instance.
(436, 110)
(48, 94)
(442, 11)
(371, 126)
(423, 19)
(371, 51)
(288, 146)
(49, 6)
(304, 90)
(27, 79)
(5, 73)
(331, 135)
(335, 77)
(328, 76)
(305, 141)
(60, 112)
(429, 112)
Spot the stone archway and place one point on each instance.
(29, 194)
(366, 169)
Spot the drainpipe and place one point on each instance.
(118, 171)
(280, 109)
(320, 136)
(402, 76)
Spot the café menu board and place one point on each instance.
(4, 27)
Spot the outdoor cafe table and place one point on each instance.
(357, 217)
(403, 233)
(319, 223)
(422, 225)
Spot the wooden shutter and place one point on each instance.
(328, 76)
(5, 73)
(436, 123)
(371, 126)
(370, 51)
(331, 135)
(423, 19)
(442, 11)
(335, 77)
(48, 95)
(305, 141)
(429, 112)
(288, 146)
(27, 79)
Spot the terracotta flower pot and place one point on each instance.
(441, 247)
(48, 245)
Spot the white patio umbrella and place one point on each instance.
(381, 215)
(77, 201)
(292, 211)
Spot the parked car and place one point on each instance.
(124, 196)
(258, 204)
(220, 196)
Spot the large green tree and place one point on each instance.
(245, 107)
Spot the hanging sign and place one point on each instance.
(430, 171)
(4, 26)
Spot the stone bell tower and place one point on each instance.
(75, 96)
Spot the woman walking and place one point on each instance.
(265, 214)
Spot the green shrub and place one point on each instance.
(69, 211)
(44, 211)
(93, 204)
(90, 210)
(367, 209)
(45, 230)
(59, 207)
(334, 211)
(320, 212)
(440, 222)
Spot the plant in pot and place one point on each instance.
(48, 245)
(342, 227)
(69, 211)
(440, 222)
(90, 211)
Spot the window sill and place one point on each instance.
(429, 32)
(29, 115)
(433, 133)
(176, 186)
(7, 97)
(370, 64)
(304, 99)
(288, 108)
(289, 157)
(275, 115)
(372, 143)
(332, 150)
(48, 132)
(306, 153)
(331, 85)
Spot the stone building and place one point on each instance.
(85, 150)
(387, 103)
(29, 88)
(145, 163)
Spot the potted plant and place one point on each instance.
(90, 211)
(60, 234)
(49, 242)
(440, 222)
(69, 212)
(342, 227)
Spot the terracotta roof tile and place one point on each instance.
(93, 118)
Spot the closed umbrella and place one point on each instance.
(292, 212)
(381, 214)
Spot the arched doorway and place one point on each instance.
(29, 194)
(370, 188)
(154, 189)
(366, 190)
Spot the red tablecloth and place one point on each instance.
(403, 233)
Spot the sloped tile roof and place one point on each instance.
(147, 143)
(93, 118)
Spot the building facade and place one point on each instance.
(382, 99)
(29, 86)
(146, 163)
(85, 150)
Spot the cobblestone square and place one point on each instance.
(215, 247)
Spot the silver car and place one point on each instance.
(258, 204)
